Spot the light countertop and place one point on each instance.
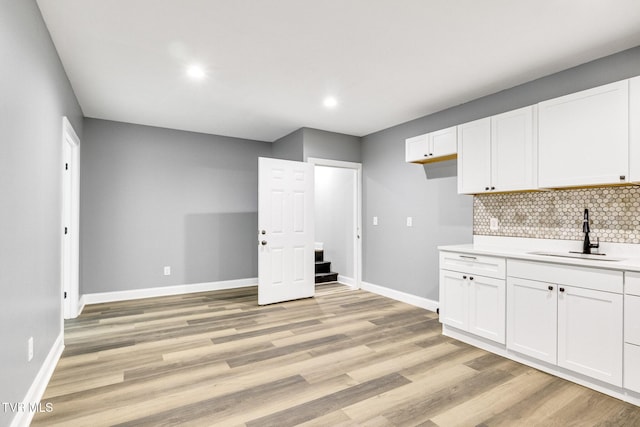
(620, 261)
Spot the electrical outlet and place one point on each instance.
(375, 220)
(493, 224)
(167, 271)
(409, 221)
(29, 349)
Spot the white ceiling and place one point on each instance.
(270, 63)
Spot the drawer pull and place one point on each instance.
(468, 257)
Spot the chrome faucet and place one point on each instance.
(587, 245)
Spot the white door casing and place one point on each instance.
(285, 230)
(357, 220)
(70, 227)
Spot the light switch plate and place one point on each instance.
(409, 221)
(493, 224)
(375, 220)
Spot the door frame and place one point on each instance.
(70, 218)
(357, 238)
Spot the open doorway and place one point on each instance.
(338, 220)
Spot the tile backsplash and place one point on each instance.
(614, 214)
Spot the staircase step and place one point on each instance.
(319, 255)
(323, 266)
(326, 277)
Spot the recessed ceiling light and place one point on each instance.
(330, 102)
(196, 72)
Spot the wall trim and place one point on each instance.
(97, 298)
(350, 281)
(39, 385)
(417, 301)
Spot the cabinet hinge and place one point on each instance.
(66, 166)
(66, 230)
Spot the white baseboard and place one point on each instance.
(81, 303)
(101, 297)
(39, 385)
(421, 302)
(350, 281)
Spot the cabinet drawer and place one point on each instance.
(583, 277)
(632, 283)
(632, 319)
(632, 367)
(473, 264)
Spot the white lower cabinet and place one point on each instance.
(632, 367)
(454, 299)
(583, 322)
(590, 333)
(632, 332)
(532, 309)
(471, 302)
(577, 328)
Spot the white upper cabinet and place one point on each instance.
(634, 129)
(584, 138)
(514, 156)
(430, 147)
(417, 148)
(474, 158)
(498, 153)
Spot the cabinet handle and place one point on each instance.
(493, 188)
(486, 188)
(470, 277)
(426, 155)
(550, 287)
(464, 277)
(623, 177)
(561, 289)
(467, 257)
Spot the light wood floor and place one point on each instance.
(339, 359)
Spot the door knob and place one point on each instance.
(263, 243)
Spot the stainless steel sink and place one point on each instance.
(594, 257)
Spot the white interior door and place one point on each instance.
(285, 230)
(70, 263)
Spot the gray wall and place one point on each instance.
(406, 259)
(330, 145)
(289, 147)
(154, 197)
(35, 95)
(335, 193)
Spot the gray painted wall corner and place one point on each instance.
(36, 94)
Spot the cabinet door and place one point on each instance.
(532, 318)
(454, 299)
(417, 148)
(632, 367)
(487, 308)
(590, 333)
(514, 150)
(444, 142)
(634, 129)
(474, 157)
(584, 137)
